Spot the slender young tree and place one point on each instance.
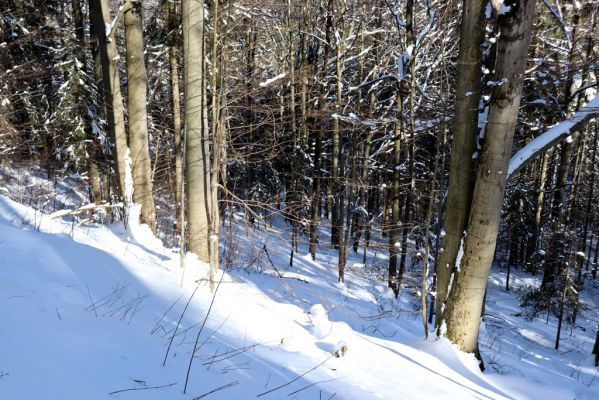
(173, 18)
(85, 107)
(113, 100)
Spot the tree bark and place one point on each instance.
(196, 129)
(113, 101)
(465, 129)
(465, 300)
(137, 81)
(173, 56)
(393, 229)
(86, 103)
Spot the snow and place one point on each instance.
(88, 310)
(272, 80)
(569, 139)
(552, 135)
(488, 10)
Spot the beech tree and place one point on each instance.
(465, 131)
(138, 117)
(196, 128)
(465, 300)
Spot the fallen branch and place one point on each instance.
(278, 272)
(87, 207)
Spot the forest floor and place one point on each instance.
(88, 311)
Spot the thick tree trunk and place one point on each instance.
(137, 81)
(465, 131)
(196, 130)
(465, 300)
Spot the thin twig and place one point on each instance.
(90, 299)
(179, 323)
(143, 388)
(195, 345)
(164, 315)
(216, 390)
(271, 263)
(312, 384)
(295, 379)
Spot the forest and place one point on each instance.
(444, 152)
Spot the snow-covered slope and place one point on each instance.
(87, 313)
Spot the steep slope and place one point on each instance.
(88, 311)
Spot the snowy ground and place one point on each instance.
(88, 311)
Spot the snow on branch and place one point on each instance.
(560, 18)
(552, 136)
(110, 28)
(272, 80)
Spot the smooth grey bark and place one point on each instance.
(463, 310)
(464, 129)
(196, 129)
(137, 81)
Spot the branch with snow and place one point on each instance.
(272, 80)
(110, 27)
(550, 137)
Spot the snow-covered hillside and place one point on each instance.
(87, 313)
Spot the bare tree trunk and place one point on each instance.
(315, 195)
(393, 229)
(113, 101)
(589, 206)
(137, 81)
(427, 224)
(540, 201)
(596, 348)
(173, 57)
(217, 129)
(465, 130)
(198, 176)
(410, 88)
(333, 184)
(93, 145)
(465, 300)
